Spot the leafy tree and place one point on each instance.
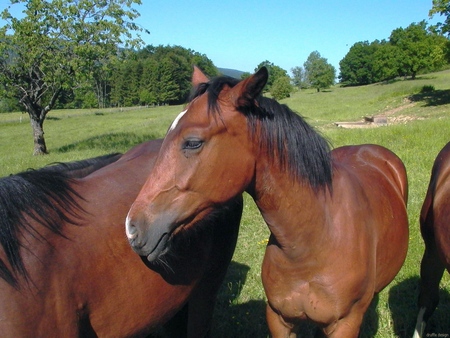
(163, 76)
(8, 105)
(420, 49)
(149, 91)
(442, 7)
(56, 46)
(356, 66)
(171, 78)
(99, 82)
(319, 72)
(299, 77)
(281, 88)
(408, 51)
(386, 62)
(274, 73)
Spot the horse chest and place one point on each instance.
(302, 300)
(296, 296)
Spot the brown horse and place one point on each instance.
(338, 222)
(435, 228)
(67, 270)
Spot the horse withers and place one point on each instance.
(338, 220)
(66, 267)
(435, 229)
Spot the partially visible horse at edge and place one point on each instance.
(67, 270)
(338, 220)
(435, 229)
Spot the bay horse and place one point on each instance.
(338, 220)
(435, 229)
(67, 270)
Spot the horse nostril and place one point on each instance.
(130, 229)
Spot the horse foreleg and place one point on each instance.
(278, 328)
(431, 271)
(200, 313)
(347, 327)
(177, 326)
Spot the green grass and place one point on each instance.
(421, 129)
(72, 135)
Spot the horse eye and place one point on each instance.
(192, 144)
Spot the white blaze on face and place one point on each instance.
(127, 228)
(177, 119)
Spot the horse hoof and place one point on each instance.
(420, 325)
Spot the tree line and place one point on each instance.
(149, 76)
(407, 52)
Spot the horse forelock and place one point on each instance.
(44, 197)
(298, 147)
(213, 89)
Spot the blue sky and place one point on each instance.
(240, 34)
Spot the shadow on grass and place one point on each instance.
(369, 326)
(403, 305)
(249, 319)
(432, 98)
(111, 142)
(238, 320)
(53, 118)
(408, 78)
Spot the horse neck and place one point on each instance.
(294, 212)
(41, 249)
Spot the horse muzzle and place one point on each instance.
(149, 238)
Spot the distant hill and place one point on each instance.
(231, 72)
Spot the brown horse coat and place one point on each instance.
(435, 229)
(88, 282)
(338, 221)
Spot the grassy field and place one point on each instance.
(419, 126)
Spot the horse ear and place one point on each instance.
(246, 91)
(198, 77)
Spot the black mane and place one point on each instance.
(297, 146)
(80, 169)
(44, 196)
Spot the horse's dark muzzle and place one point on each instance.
(149, 239)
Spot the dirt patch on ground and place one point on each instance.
(399, 109)
(382, 119)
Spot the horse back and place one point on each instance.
(376, 183)
(381, 159)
